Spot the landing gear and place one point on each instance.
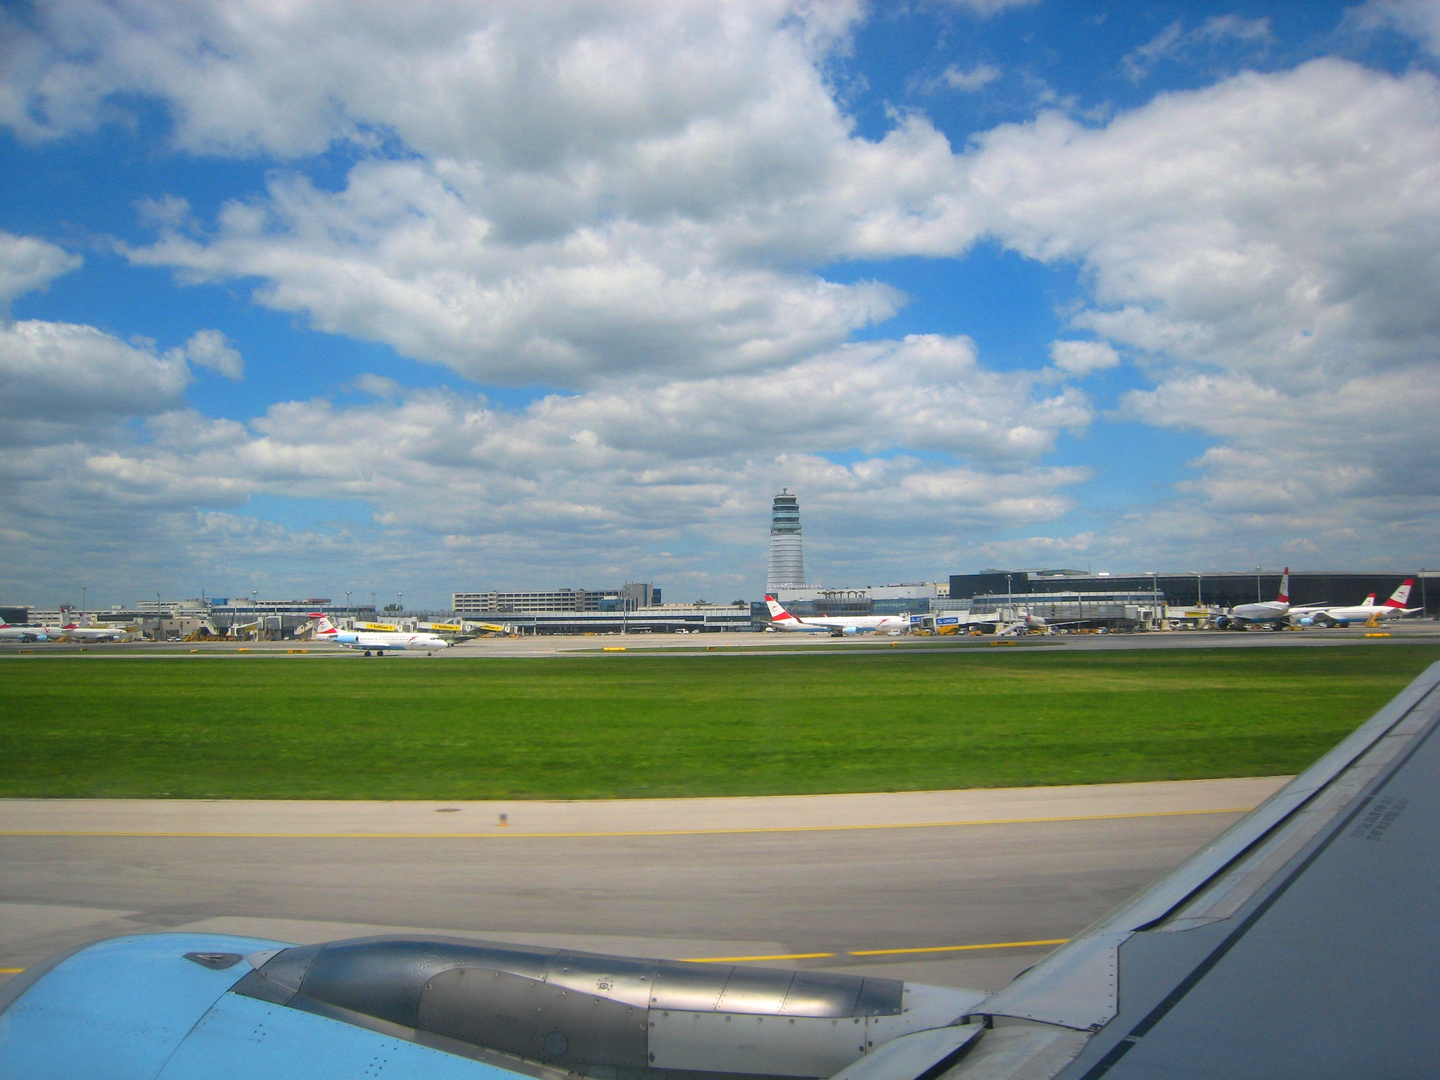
(367, 652)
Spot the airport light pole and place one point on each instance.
(82, 598)
(1424, 604)
(1199, 602)
(1257, 585)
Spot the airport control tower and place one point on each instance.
(787, 559)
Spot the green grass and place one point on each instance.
(258, 727)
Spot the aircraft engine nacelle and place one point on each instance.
(419, 999)
(570, 1009)
(1223, 622)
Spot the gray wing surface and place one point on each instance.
(1303, 942)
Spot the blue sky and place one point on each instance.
(431, 298)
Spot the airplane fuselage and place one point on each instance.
(23, 633)
(93, 633)
(851, 624)
(384, 641)
(1269, 612)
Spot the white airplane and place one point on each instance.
(376, 641)
(22, 633)
(836, 625)
(1275, 612)
(75, 632)
(1367, 611)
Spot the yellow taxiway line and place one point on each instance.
(512, 834)
(874, 952)
(958, 948)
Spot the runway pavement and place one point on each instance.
(929, 886)
(609, 646)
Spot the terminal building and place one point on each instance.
(633, 608)
(914, 598)
(629, 597)
(657, 619)
(171, 620)
(1069, 590)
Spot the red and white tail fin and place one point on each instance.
(1399, 597)
(323, 625)
(777, 613)
(1369, 601)
(1284, 596)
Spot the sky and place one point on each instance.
(310, 297)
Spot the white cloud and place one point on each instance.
(969, 80)
(1419, 19)
(1083, 357)
(1269, 250)
(210, 349)
(576, 485)
(60, 374)
(1284, 224)
(986, 8)
(536, 85)
(399, 257)
(27, 264)
(1174, 42)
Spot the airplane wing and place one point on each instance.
(1301, 943)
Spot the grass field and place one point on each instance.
(259, 727)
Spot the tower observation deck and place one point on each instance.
(787, 557)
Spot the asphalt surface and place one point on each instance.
(1411, 631)
(782, 878)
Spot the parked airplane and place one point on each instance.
(377, 641)
(836, 625)
(1234, 964)
(22, 633)
(1368, 611)
(1275, 612)
(76, 632)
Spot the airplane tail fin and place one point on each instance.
(1284, 596)
(323, 625)
(1399, 597)
(1369, 601)
(777, 612)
